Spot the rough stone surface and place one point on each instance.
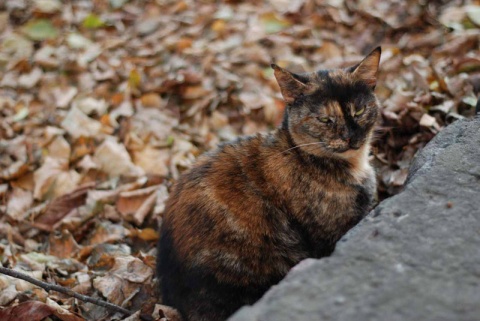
(415, 257)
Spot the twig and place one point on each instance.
(52, 287)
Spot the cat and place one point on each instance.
(250, 210)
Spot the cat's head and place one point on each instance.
(331, 111)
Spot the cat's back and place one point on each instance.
(222, 198)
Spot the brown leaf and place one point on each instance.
(114, 288)
(62, 205)
(142, 212)
(12, 234)
(146, 234)
(62, 245)
(30, 310)
(13, 171)
(131, 269)
(102, 256)
(62, 313)
(193, 92)
(107, 232)
(34, 310)
(130, 202)
(25, 182)
(152, 100)
(124, 280)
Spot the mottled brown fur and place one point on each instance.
(250, 210)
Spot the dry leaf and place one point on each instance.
(152, 100)
(7, 295)
(22, 285)
(77, 124)
(62, 313)
(89, 105)
(152, 160)
(3, 190)
(145, 209)
(18, 204)
(48, 6)
(63, 96)
(149, 121)
(54, 179)
(59, 148)
(114, 159)
(147, 234)
(131, 269)
(135, 205)
(427, 120)
(124, 280)
(30, 310)
(62, 245)
(14, 170)
(107, 232)
(114, 288)
(29, 80)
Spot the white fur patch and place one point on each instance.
(361, 167)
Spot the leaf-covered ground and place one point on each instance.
(104, 103)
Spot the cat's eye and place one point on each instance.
(324, 119)
(360, 111)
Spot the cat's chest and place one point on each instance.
(329, 196)
(360, 168)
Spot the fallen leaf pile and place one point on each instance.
(104, 103)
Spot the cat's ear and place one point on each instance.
(366, 70)
(290, 86)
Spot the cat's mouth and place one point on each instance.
(345, 148)
(355, 146)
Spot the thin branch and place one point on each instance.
(52, 287)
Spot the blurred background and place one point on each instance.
(104, 103)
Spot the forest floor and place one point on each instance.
(104, 103)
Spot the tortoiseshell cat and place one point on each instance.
(250, 210)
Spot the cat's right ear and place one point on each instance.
(367, 69)
(290, 87)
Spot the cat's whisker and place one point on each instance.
(301, 145)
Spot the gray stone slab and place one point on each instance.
(415, 257)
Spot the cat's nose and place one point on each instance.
(346, 137)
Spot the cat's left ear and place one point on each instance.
(366, 70)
